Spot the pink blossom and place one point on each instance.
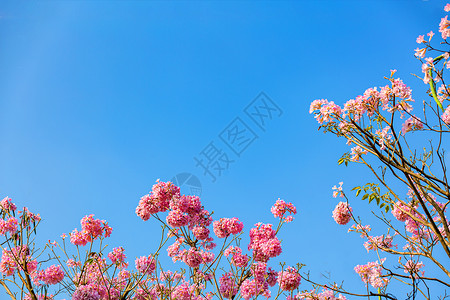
(117, 257)
(193, 257)
(289, 279)
(420, 52)
(251, 288)
(420, 39)
(356, 153)
(446, 116)
(86, 292)
(377, 242)
(337, 191)
(413, 123)
(280, 208)
(342, 213)
(7, 204)
(413, 268)
(200, 232)
(176, 218)
(224, 227)
(228, 286)
(264, 242)
(9, 226)
(145, 264)
(430, 34)
(447, 7)
(371, 274)
(53, 274)
(443, 27)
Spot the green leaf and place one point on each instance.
(365, 197)
(386, 209)
(357, 193)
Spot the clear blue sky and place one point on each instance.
(99, 99)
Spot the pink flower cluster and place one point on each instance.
(9, 226)
(356, 153)
(14, 259)
(326, 294)
(158, 200)
(228, 287)
(145, 264)
(224, 227)
(289, 279)
(258, 285)
(371, 274)
(446, 116)
(237, 258)
(52, 275)
(413, 268)
(379, 242)
(8, 205)
(342, 213)
(281, 207)
(393, 98)
(413, 123)
(117, 257)
(91, 229)
(264, 243)
(337, 191)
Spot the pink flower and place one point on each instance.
(86, 292)
(158, 200)
(193, 258)
(228, 287)
(443, 27)
(371, 274)
(9, 226)
(117, 257)
(420, 52)
(420, 39)
(264, 243)
(356, 153)
(289, 279)
(413, 268)
(7, 204)
(145, 264)
(447, 7)
(337, 191)
(200, 232)
(176, 218)
(53, 275)
(342, 213)
(430, 34)
(413, 123)
(280, 208)
(446, 116)
(224, 227)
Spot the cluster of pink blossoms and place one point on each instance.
(371, 274)
(413, 268)
(146, 264)
(9, 226)
(379, 242)
(326, 294)
(446, 116)
(263, 242)
(281, 207)
(91, 229)
(237, 258)
(8, 205)
(412, 123)
(225, 226)
(356, 153)
(228, 287)
(117, 257)
(289, 279)
(342, 213)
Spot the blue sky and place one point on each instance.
(99, 99)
